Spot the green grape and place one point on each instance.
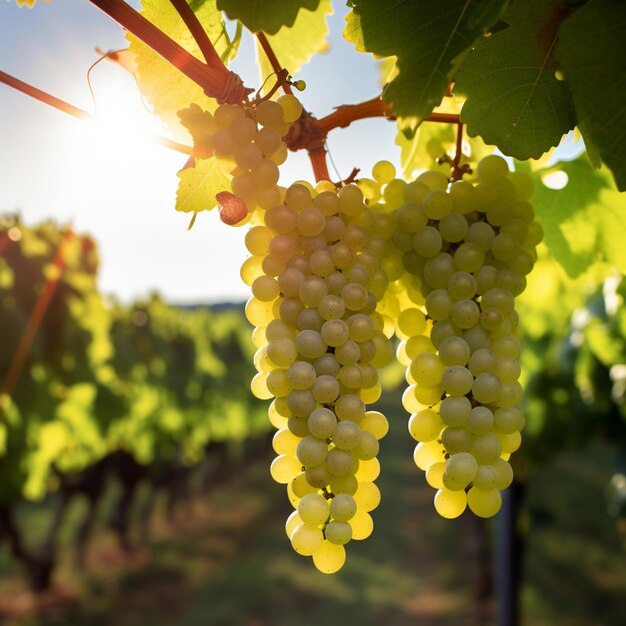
(457, 380)
(508, 420)
(369, 470)
(367, 447)
(484, 503)
(439, 304)
(460, 470)
(427, 242)
(454, 351)
(427, 453)
(362, 525)
(376, 423)
(455, 410)
(285, 442)
(329, 558)
(322, 423)
(311, 451)
(383, 172)
(367, 497)
(437, 204)
(335, 332)
(346, 435)
(480, 421)
(425, 425)
(343, 507)
(341, 462)
(313, 509)
(284, 469)
(450, 504)
(338, 533)
(306, 539)
(301, 403)
(292, 109)
(486, 388)
(453, 227)
(491, 169)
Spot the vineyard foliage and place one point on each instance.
(158, 382)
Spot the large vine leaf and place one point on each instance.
(266, 15)
(295, 45)
(584, 222)
(165, 87)
(514, 98)
(198, 186)
(591, 51)
(428, 38)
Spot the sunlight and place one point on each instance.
(122, 130)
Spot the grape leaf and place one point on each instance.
(201, 127)
(514, 98)
(584, 222)
(294, 46)
(591, 52)
(199, 185)
(428, 37)
(165, 87)
(266, 15)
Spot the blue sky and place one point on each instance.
(123, 193)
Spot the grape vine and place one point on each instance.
(337, 269)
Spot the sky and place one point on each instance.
(122, 192)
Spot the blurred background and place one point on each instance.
(134, 462)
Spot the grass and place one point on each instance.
(230, 563)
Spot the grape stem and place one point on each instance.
(197, 31)
(281, 73)
(70, 109)
(317, 156)
(214, 78)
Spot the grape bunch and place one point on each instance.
(456, 258)
(468, 249)
(316, 277)
(247, 142)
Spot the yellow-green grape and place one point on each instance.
(450, 504)
(329, 558)
(484, 503)
(306, 539)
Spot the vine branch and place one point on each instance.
(197, 31)
(273, 59)
(215, 79)
(344, 115)
(74, 111)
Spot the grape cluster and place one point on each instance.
(316, 278)
(462, 254)
(248, 143)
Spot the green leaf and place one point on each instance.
(165, 87)
(198, 186)
(294, 46)
(591, 51)
(514, 99)
(584, 222)
(427, 37)
(266, 15)
(201, 127)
